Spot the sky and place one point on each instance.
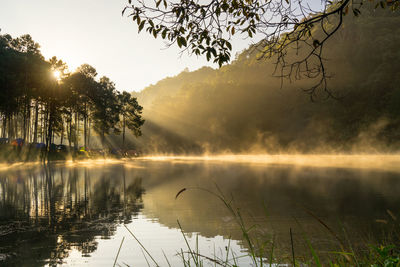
(96, 33)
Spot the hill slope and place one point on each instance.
(241, 108)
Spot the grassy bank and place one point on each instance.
(14, 154)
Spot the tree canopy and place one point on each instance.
(41, 100)
(207, 28)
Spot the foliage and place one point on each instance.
(37, 107)
(207, 28)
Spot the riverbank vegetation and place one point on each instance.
(43, 103)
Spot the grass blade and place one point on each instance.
(116, 258)
(187, 244)
(291, 242)
(165, 256)
(137, 240)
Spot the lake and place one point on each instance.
(78, 213)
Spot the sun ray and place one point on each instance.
(57, 74)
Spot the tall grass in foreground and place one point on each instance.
(262, 252)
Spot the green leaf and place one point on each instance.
(164, 33)
(178, 40)
(151, 23)
(213, 51)
(141, 25)
(183, 40)
(228, 44)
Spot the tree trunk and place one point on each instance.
(84, 131)
(3, 134)
(28, 124)
(88, 143)
(62, 131)
(35, 131)
(123, 132)
(24, 117)
(102, 138)
(15, 125)
(76, 131)
(85, 127)
(49, 127)
(70, 128)
(10, 129)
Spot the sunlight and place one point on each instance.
(57, 74)
(388, 162)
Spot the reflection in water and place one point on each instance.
(72, 213)
(46, 211)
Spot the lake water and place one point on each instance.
(79, 213)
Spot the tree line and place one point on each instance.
(42, 101)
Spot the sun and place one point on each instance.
(57, 74)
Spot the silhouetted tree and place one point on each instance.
(106, 109)
(38, 106)
(131, 113)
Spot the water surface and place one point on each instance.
(74, 213)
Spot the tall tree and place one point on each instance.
(86, 91)
(131, 113)
(106, 110)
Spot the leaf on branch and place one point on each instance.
(229, 45)
(151, 23)
(141, 25)
(183, 40)
(164, 33)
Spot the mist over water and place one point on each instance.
(72, 213)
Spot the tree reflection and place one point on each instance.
(46, 212)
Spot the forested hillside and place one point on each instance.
(242, 108)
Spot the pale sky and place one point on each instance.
(94, 32)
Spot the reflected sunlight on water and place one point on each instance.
(380, 161)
